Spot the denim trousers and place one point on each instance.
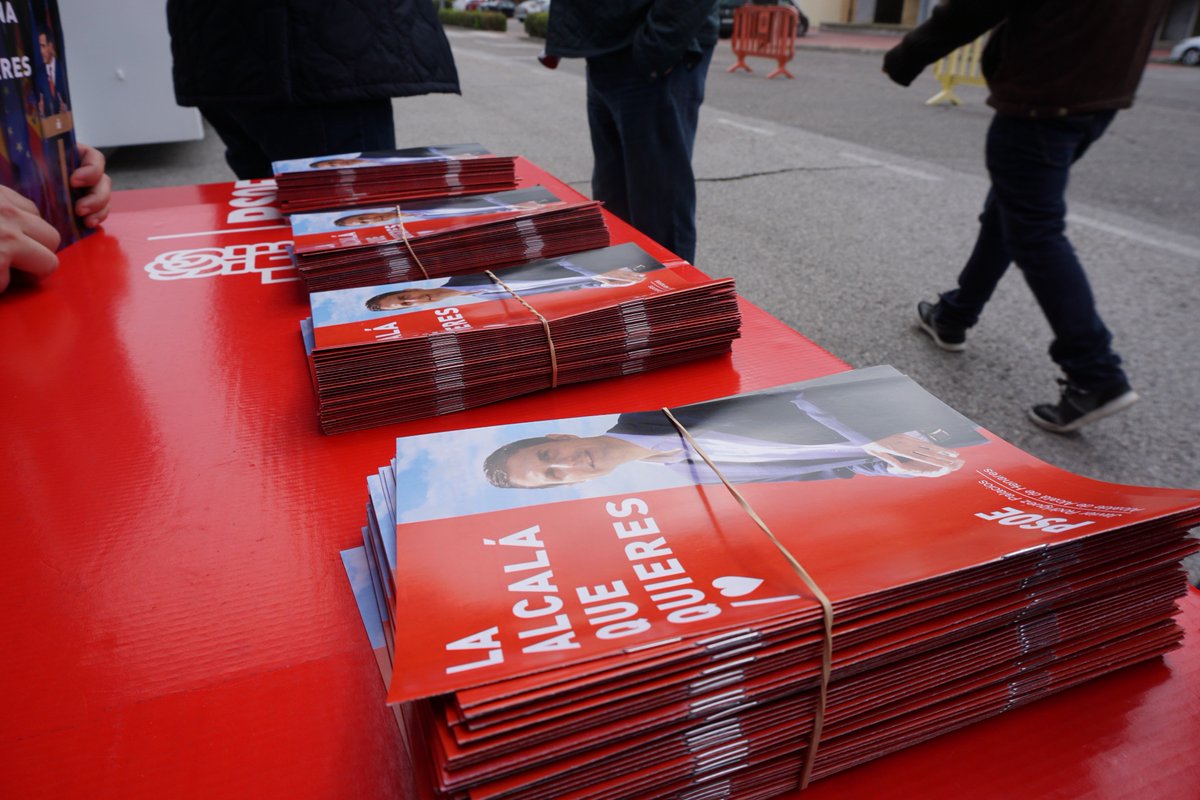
(642, 134)
(1024, 222)
(254, 136)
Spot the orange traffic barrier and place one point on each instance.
(766, 31)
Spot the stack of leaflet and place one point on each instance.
(390, 176)
(626, 630)
(402, 351)
(433, 238)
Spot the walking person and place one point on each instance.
(1057, 71)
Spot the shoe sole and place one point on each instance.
(1107, 410)
(949, 347)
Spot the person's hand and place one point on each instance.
(908, 455)
(622, 276)
(900, 69)
(92, 207)
(27, 242)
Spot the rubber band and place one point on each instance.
(408, 244)
(545, 326)
(822, 598)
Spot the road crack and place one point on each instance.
(784, 171)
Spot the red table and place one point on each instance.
(177, 621)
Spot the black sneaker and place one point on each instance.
(1077, 407)
(944, 336)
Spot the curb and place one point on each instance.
(843, 48)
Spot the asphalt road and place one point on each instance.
(837, 200)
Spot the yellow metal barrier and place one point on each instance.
(960, 68)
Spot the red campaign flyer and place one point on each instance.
(528, 547)
(380, 158)
(556, 287)
(348, 228)
(369, 601)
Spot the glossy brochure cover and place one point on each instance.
(343, 229)
(556, 287)
(547, 546)
(348, 162)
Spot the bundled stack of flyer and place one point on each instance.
(390, 176)
(402, 351)
(579, 608)
(434, 238)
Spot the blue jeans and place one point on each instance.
(1023, 222)
(642, 135)
(255, 136)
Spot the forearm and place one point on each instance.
(952, 24)
(838, 426)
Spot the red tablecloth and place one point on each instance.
(176, 617)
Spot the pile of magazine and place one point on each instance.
(433, 238)
(402, 351)
(390, 176)
(629, 630)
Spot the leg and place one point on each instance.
(608, 155)
(242, 152)
(989, 260)
(254, 136)
(947, 321)
(666, 202)
(1030, 161)
(654, 125)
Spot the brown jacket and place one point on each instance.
(1045, 58)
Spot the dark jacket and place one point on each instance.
(868, 406)
(855, 408)
(658, 34)
(1045, 58)
(277, 52)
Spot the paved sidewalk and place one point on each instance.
(817, 39)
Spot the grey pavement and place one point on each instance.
(837, 200)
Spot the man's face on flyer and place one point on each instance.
(564, 458)
(407, 298)
(366, 218)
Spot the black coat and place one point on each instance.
(277, 52)
(874, 403)
(868, 404)
(658, 33)
(1045, 58)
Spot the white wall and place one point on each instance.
(119, 73)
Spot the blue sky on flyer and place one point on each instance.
(440, 475)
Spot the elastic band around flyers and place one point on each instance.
(545, 325)
(826, 606)
(404, 236)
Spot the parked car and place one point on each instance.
(727, 7)
(530, 7)
(505, 7)
(1187, 52)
